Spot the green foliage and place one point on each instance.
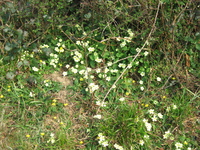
(133, 64)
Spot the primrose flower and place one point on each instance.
(91, 49)
(160, 115)
(178, 145)
(142, 74)
(141, 82)
(109, 64)
(118, 147)
(174, 106)
(35, 68)
(97, 116)
(52, 139)
(67, 66)
(141, 142)
(151, 111)
(148, 126)
(158, 79)
(98, 60)
(123, 44)
(64, 73)
(74, 70)
(93, 87)
(154, 118)
(122, 99)
(104, 143)
(146, 53)
(121, 65)
(108, 78)
(142, 88)
(78, 42)
(76, 59)
(31, 94)
(167, 134)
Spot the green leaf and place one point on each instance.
(198, 46)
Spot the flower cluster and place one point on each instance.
(76, 56)
(52, 138)
(60, 47)
(118, 147)
(53, 60)
(93, 87)
(102, 140)
(154, 115)
(147, 124)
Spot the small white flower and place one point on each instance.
(146, 53)
(91, 49)
(137, 49)
(58, 44)
(137, 62)
(114, 71)
(78, 42)
(145, 120)
(81, 72)
(98, 60)
(154, 118)
(109, 64)
(108, 78)
(35, 68)
(174, 107)
(142, 74)
(189, 148)
(151, 111)
(74, 70)
(118, 147)
(97, 116)
(178, 145)
(142, 88)
(123, 44)
(160, 115)
(31, 94)
(76, 59)
(129, 66)
(98, 70)
(168, 109)
(155, 102)
(141, 142)
(148, 126)
(93, 87)
(64, 73)
(158, 79)
(122, 99)
(141, 82)
(104, 143)
(167, 134)
(121, 65)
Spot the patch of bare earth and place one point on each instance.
(76, 115)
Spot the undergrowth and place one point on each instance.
(99, 75)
